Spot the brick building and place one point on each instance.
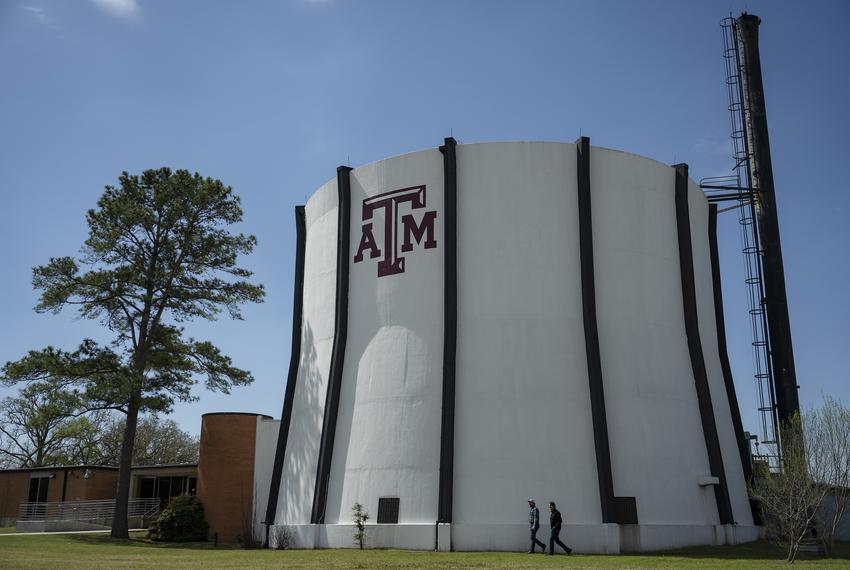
(231, 478)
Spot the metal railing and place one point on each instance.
(85, 510)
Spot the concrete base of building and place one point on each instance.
(597, 539)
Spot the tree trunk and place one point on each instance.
(39, 451)
(119, 519)
(795, 549)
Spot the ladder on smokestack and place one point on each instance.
(740, 187)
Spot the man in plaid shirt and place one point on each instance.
(534, 526)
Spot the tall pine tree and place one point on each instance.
(159, 253)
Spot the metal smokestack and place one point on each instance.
(775, 302)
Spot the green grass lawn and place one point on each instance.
(91, 551)
(7, 529)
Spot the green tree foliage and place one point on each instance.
(158, 442)
(36, 427)
(181, 521)
(86, 447)
(41, 429)
(98, 439)
(159, 253)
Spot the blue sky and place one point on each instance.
(270, 97)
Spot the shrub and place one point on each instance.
(283, 537)
(181, 521)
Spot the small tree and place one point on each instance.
(829, 437)
(159, 253)
(360, 516)
(789, 499)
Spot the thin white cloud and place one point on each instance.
(128, 9)
(36, 11)
(713, 146)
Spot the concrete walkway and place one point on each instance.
(2, 534)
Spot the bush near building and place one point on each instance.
(181, 521)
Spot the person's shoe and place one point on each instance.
(569, 550)
(543, 551)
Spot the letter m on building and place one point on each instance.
(424, 229)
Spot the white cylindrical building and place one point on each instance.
(480, 324)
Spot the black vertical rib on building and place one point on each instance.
(294, 361)
(614, 509)
(326, 447)
(778, 321)
(447, 426)
(591, 334)
(720, 321)
(689, 302)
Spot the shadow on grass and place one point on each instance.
(761, 550)
(141, 540)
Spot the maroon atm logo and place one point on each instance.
(395, 203)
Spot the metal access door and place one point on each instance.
(37, 494)
(38, 489)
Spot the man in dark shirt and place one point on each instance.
(555, 530)
(534, 525)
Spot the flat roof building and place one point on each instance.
(230, 478)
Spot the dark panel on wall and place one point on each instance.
(614, 509)
(294, 360)
(740, 439)
(447, 428)
(343, 259)
(388, 510)
(689, 301)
